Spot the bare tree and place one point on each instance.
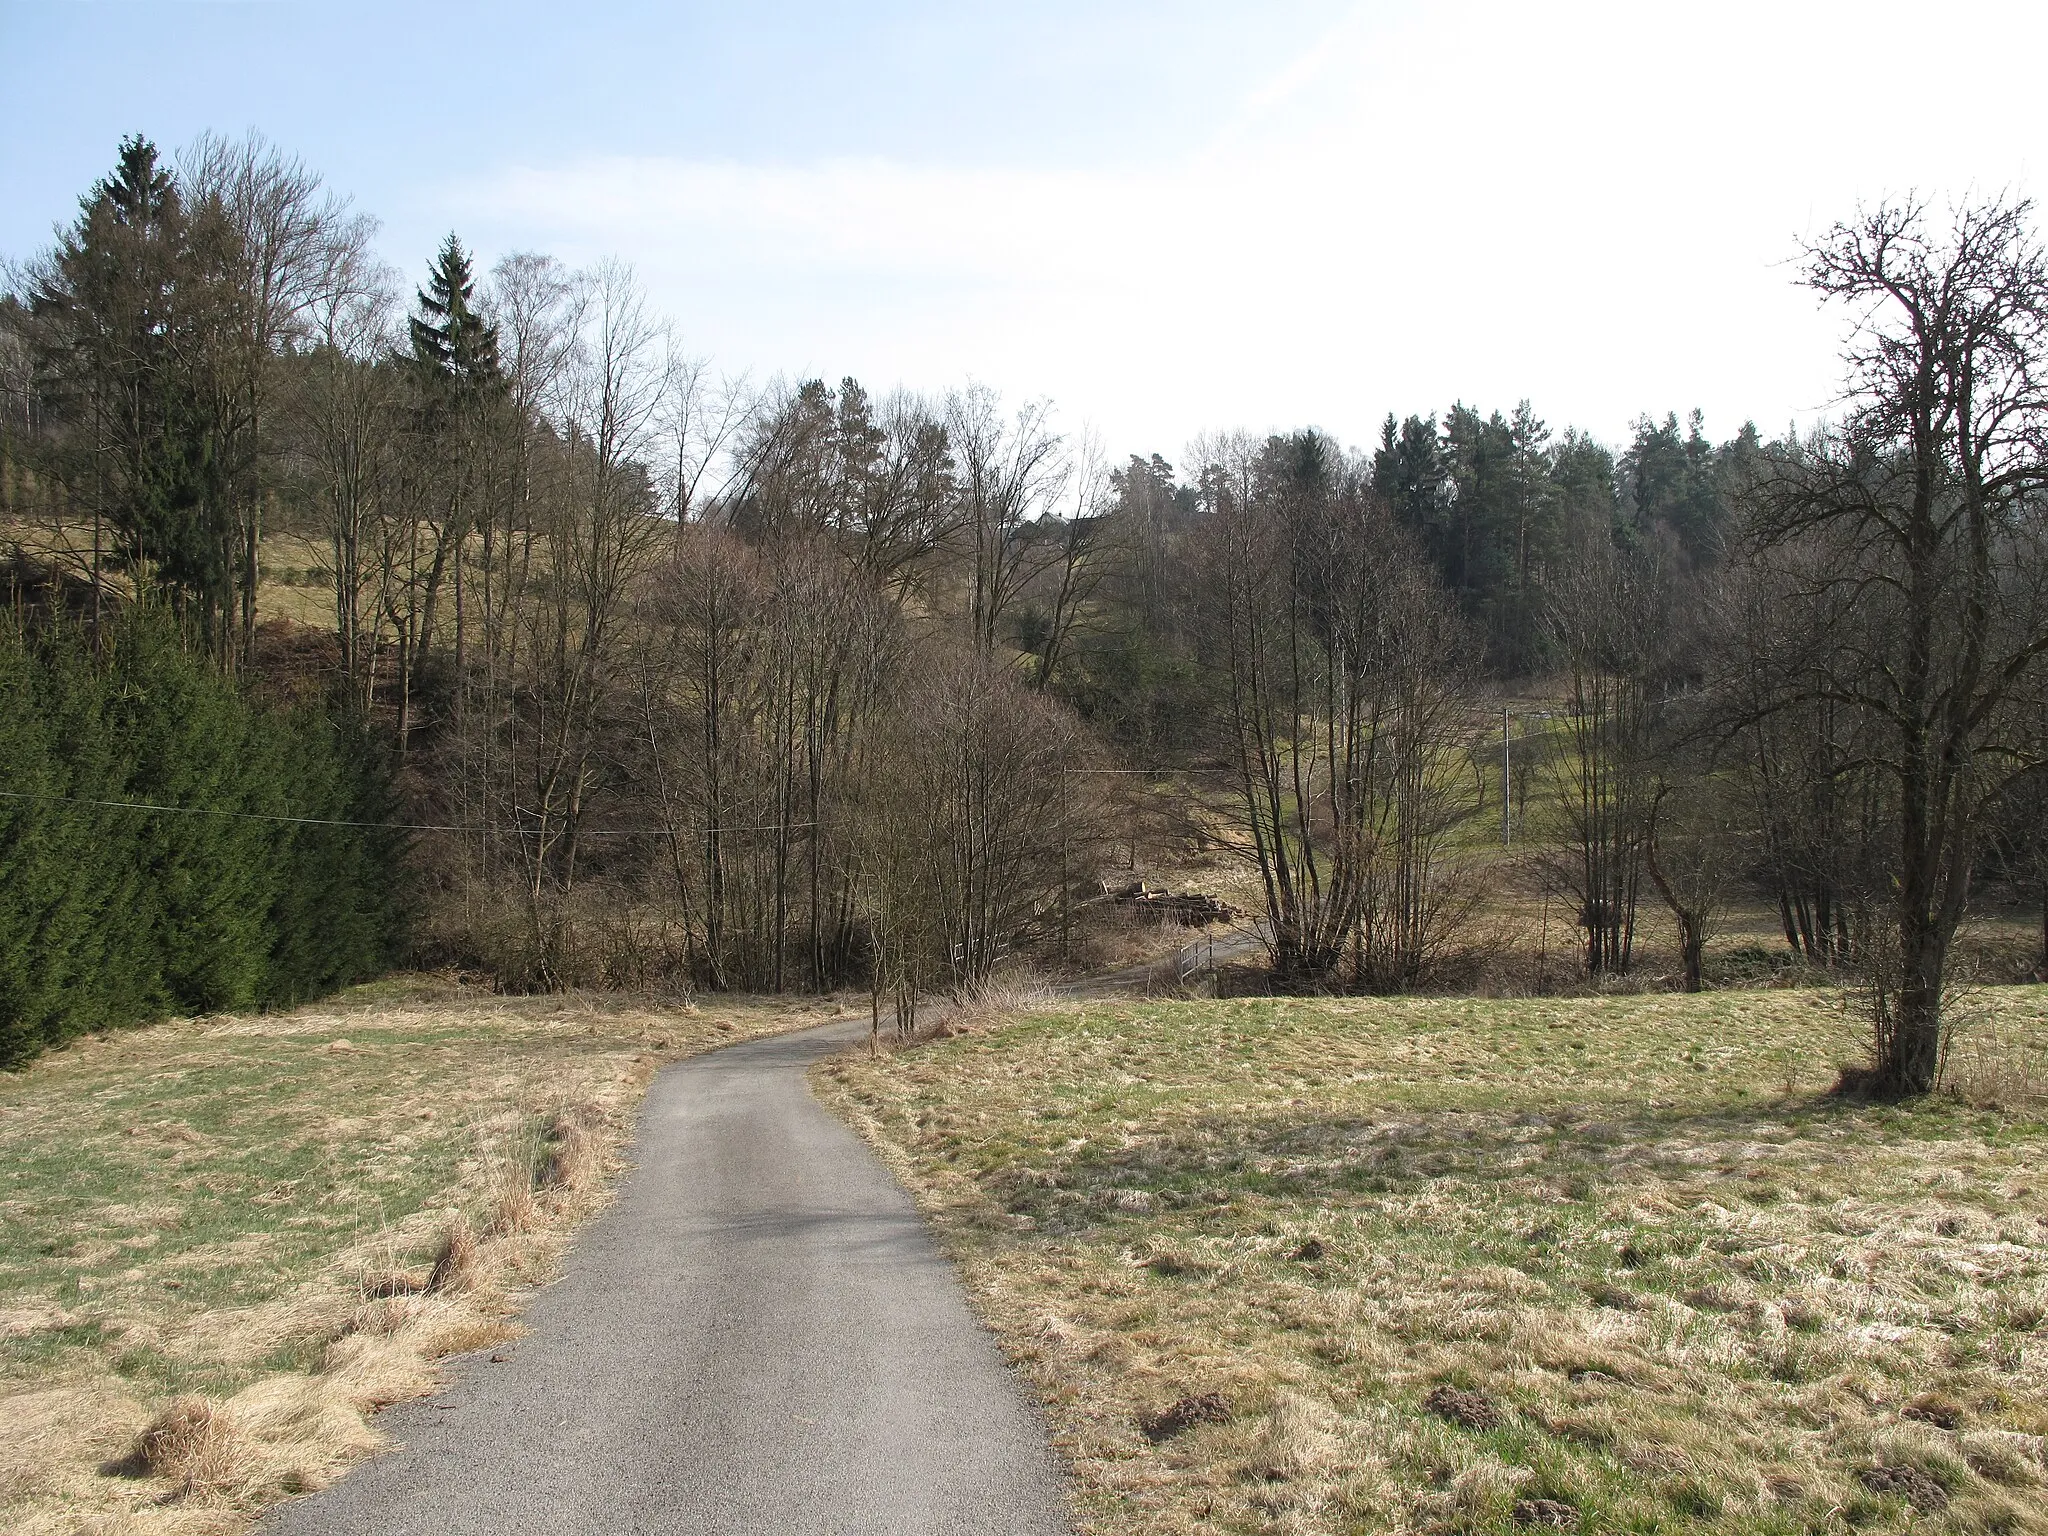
(595, 534)
(1608, 620)
(345, 413)
(1816, 802)
(1411, 659)
(699, 419)
(969, 778)
(284, 248)
(1927, 575)
(1344, 701)
(1083, 541)
(537, 306)
(1699, 845)
(903, 509)
(1009, 474)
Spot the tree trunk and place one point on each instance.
(1692, 946)
(1913, 1050)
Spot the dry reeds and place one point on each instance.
(990, 1002)
(513, 1211)
(1995, 1060)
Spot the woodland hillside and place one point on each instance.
(618, 671)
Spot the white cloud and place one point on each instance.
(1592, 206)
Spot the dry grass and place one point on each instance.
(196, 1447)
(1608, 1263)
(225, 1243)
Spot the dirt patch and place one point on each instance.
(1184, 1415)
(1466, 1409)
(1917, 1488)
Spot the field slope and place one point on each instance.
(244, 1235)
(1613, 1264)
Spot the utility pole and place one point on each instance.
(1507, 784)
(1065, 878)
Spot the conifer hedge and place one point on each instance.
(114, 916)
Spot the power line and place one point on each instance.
(402, 826)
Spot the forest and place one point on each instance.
(620, 672)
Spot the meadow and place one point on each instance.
(1478, 1265)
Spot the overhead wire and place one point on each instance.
(399, 826)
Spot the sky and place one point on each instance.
(1167, 218)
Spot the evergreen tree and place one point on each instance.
(1408, 474)
(451, 342)
(1677, 486)
(458, 390)
(1582, 483)
(248, 888)
(108, 324)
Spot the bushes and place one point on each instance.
(112, 916)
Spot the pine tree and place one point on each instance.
(112, 916)
(450, 339)
(105, 330)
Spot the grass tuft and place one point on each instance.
(455, 1266)
(572, 1159)
(196, 1447)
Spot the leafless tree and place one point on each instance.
(1699, 845)
(595, 533)
(1345, 697)
(1608, 619)
(1413, 695)
(699, 419)
(279, 248)
(1009, 473)
(345, 414)
(1084, 540)
(969, 777)
(1817, 804)
(1918, 522)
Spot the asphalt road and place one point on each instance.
(758, 1337)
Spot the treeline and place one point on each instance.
(707, 685)
(655, 655)
(253, 887)
(1818, 665)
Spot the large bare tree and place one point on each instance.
(1010, 473)
(1917, 520)
(275, 248)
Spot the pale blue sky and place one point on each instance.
(1168, 217)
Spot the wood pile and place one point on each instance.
(1191, 909)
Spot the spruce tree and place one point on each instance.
(450, 339)
(251, 887)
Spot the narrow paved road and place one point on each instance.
(758, 1337)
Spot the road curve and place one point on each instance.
(758, 1337)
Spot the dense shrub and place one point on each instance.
(112, 916)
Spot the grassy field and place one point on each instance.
(225, 1242)
(1616, 1264)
